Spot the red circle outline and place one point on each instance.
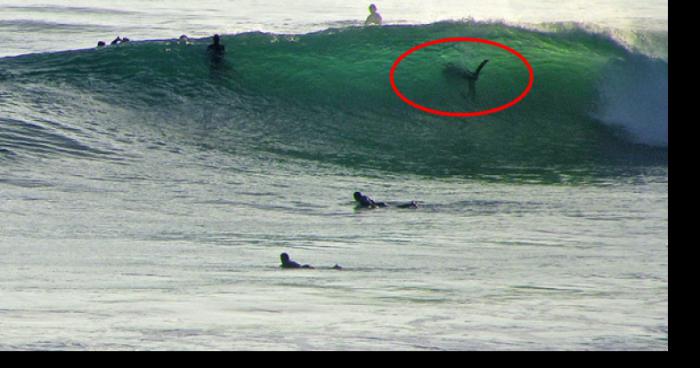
(461, 114)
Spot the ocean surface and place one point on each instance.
(147, 191)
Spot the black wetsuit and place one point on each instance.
(292, 264)
(367, 202)
(288, 263)
(216, 52)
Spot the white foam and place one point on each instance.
(634, 96)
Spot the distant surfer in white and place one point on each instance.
(465, 73)
(374, 18)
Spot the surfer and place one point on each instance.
(216, 49)
(367, 202)
(119, 40)
(288, 263)
(101, 44)
(470, 76)
(216, 53)
(373, 17)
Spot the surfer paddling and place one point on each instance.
(364, 201)
(470, 76)
(288, 263)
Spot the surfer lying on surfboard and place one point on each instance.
(364, 201)
(288, 263)
(465, 73)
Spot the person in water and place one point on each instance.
(367, 202)
(470, 76)
(101, 44)
(373, 17)
(288, 263)
(119, 40)
(216, 50)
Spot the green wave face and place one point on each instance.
(326, 96)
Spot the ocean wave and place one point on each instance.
(326, 96)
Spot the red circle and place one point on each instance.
(461, 114)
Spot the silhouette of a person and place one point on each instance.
(288, 263)
(216, 50)
(373, 17)
(367, 202)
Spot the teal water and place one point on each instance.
(147, 193)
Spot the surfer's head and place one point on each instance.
(285, 258)
(358, 196)
(372, 8)
(101, 44)
(216, 39)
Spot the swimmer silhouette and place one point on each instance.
(470, 76)
(364, 201)
(373, 17)
(216, 50)
(288, 263)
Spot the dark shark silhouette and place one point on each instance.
(465, 73)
